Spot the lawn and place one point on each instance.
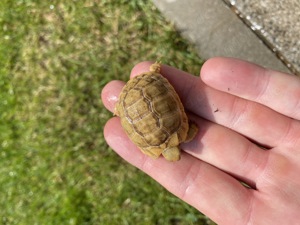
(55, 58)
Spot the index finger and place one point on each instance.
(251, 119)
(277, 90)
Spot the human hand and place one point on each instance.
(237, 106)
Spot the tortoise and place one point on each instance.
(153, 116)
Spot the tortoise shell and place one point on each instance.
(153, 116)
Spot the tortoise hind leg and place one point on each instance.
(193, 130)
(171, 154)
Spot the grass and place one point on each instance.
(55, 58)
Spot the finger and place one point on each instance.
(208, 189)
(110, 94)
(235, 155)
(253, 120)
(228, 151)
(274, 89)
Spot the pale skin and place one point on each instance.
(236, 105)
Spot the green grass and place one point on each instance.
(55, 58)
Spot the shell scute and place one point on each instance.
(155, 89)
(170, 123)
(145, 128)
(164, 105)
(152, 140)
(131, 98)
(138, 110)
(144, 80)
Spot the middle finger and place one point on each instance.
(253, 120)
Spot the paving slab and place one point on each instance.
(216, 30)
(277, 23)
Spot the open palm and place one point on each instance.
(249, 129)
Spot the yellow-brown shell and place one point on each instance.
(152, 114)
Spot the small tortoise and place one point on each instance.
(153, 116)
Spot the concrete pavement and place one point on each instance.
(217, 30)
